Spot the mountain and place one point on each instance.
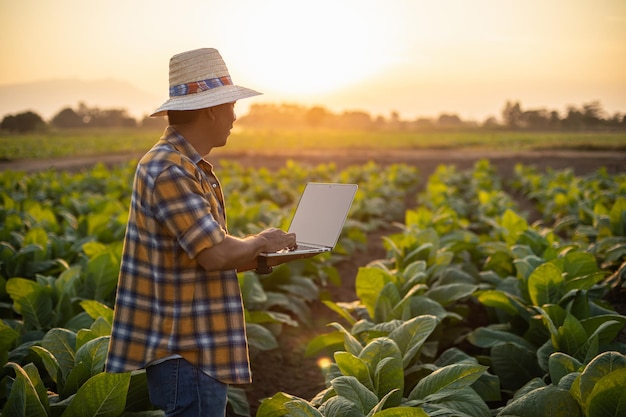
(47, 98)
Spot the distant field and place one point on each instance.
(94, 142)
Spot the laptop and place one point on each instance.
(319, 218)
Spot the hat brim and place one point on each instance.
(204, 99)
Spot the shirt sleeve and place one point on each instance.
(186, 210)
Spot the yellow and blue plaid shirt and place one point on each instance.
(166, 303)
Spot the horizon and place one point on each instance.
(416, 58)
(243, 107)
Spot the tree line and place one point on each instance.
(80, 117)
(589, 116)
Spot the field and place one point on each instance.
(478, 188)
(57, 144)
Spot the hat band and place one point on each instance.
(198, 86)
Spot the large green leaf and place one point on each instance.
(299, 408)
(38, 236)
(274, 406)
(369, 283)
(350, 388)
(571, 336)
(339, 407)
(350, 365)
(599, 367)
(301, 287)
(285, 302)
(37, 309)
(103, 395)
(24, 399)
(19, 289)
(50, 363)
(260, 337)
(577, 264)
(66, 287)
(488, 337)
(444, 381)
(514, 225)
(608, 398)
(7, 337)
(421, 253)
(252, 291)
(96, 310)
(237, 399)
(412, 334)
(93, 354)
(450, 293)
(77, 376)
(101, 276)
(607, 333)
(339, 310)
(461, 402)
(351, 344)
(546, 285)
(561, 364)
(421, 305)
(549, 401)
(384, 359)
(497, 299)
(387, 299)
(514, 364)
(61, 343)
(332, 341)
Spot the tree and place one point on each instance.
(316, 116)
(92, 117)
(593, 114)
(67, 118)
(535, 119)
(512, 114)
(23, 122)
(449, 120)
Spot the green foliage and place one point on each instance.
(594, 390)
(542, 293)
(60, 246)
(474, 311)
(93, 141)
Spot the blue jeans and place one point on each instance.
(181, 389)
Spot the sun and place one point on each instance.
(301, 49)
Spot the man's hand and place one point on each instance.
(276, 240)
(241, 254)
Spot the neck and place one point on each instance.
(196, 137)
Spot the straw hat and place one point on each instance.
(200, 79)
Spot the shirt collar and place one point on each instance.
(174, 138)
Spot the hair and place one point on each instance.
(181, 117)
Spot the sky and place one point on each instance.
(415, 57)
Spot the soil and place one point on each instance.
(287, 369)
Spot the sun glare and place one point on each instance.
(319, 52)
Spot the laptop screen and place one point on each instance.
(321, 213)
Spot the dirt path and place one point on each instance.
(582, 162)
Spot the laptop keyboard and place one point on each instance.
(299, 247)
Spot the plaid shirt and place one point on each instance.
(166, 302)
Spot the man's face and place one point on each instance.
(224, 119)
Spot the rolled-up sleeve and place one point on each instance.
(185, 209)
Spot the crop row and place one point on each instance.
(466, 251)
(60, 247)
(474, 312)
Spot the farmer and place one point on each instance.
(178, 309)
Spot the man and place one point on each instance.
(178, 309)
